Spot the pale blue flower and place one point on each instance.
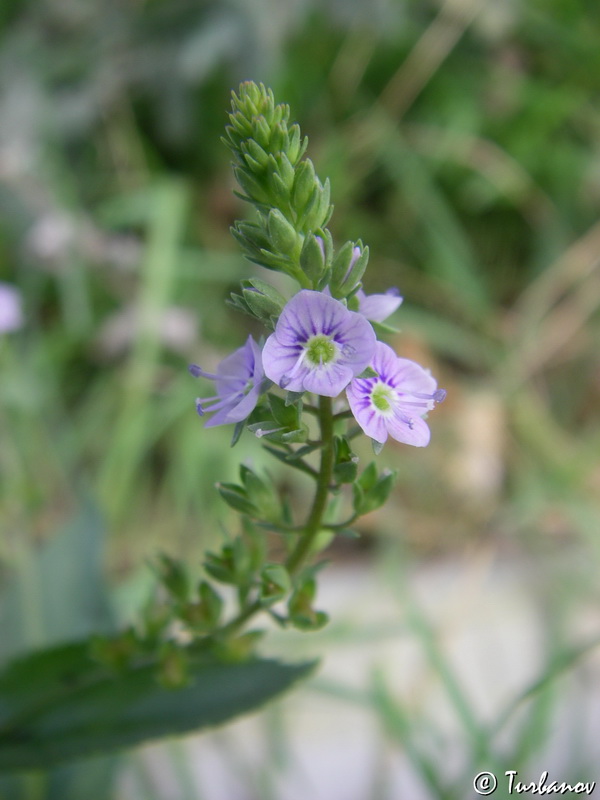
(393, 403)
(318, 345)
(239, 381)
(377, 307)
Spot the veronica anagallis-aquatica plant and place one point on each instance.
(320, 361)
(317, 379)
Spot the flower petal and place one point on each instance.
(412, 378)
(411, 396)
(328, 380)
(307, 314)
(357, 342)
(368, 417)
(281, 360)
(245, 406)
(415, 432)
(234, 371)
(378, 307)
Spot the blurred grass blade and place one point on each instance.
(451, 254)
(400, 726)
(167, 211)
(562, 663)
(58, 591)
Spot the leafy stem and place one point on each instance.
(313, 523)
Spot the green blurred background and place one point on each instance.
(462, 140)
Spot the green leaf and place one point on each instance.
(294, 398)
(357, 271)
(261, 307)
(236, 497)
(297, 436)
(371, 490)
(368, 372)
(379, 494)
(383, 329)
(346, 462)
(263, 493)
(368, 477)
(173, 576)
(291, 459)
(237, 432)
(304, 185)
(358, 497)
(276, 582)
(302, 614)
(205, 614)
(377, 446)
(58, 705)
(262, 299)
(340, 266)
(285, 414)
(345, 471)
(312, 259)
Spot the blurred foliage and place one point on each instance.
(462, 144)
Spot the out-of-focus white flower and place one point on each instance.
(11, 310)
(177, 329)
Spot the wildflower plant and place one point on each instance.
(317, 379)
(321, 363)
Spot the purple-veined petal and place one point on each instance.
(280, 361)
(235, 411)
(245, 406)
(239, 380)
(308, 317)
(368, 417)
(308, 314)
(220, 417)
(411, 379)
(378, 307)
(258, 372)
(409, 391)
(357, 343)
(328, 380)
(235, 370)
(413, 430)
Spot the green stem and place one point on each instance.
(315, 517)
(314, 522)
(238, 621)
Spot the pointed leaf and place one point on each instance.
(58, 704)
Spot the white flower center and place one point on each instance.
(321, 350)
(383, 397)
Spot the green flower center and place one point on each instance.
(321, 350)
(381, 397)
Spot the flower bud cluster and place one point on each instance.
(293, 205)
